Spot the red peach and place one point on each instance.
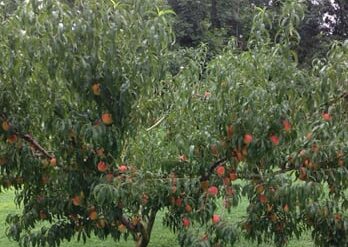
(213, 190)
(248, 138)
(215, 219)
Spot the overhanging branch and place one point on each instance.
(35, 144)
(28, 138)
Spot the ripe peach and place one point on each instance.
(93, 214)
(326, 117)
(53, 161)
(287, 125)
(186, 222)
(213, 191)
(122, 168)
(107, 118)
(76, 200)
(274, 139)
(215, 219)
(188, 208)
(102, 166)
(248, 138)
(220, 171)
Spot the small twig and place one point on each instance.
(156, 124)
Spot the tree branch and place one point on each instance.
(28, 138)
(212, 168)
(275, 173)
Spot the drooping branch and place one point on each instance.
(28, 138)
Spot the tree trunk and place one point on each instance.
(146, 229)
(142, 242)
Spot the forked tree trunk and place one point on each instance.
(145, 233)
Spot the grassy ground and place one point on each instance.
(161, 236)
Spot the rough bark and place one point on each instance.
(146, 230)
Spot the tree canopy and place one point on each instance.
(104, 122)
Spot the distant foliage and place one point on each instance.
(103, 123)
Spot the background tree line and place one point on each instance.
(214, 22)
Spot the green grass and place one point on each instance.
(161, 236)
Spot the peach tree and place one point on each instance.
(98, 134)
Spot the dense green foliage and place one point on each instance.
(103, 124)
(214, 22)
(161, 236)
